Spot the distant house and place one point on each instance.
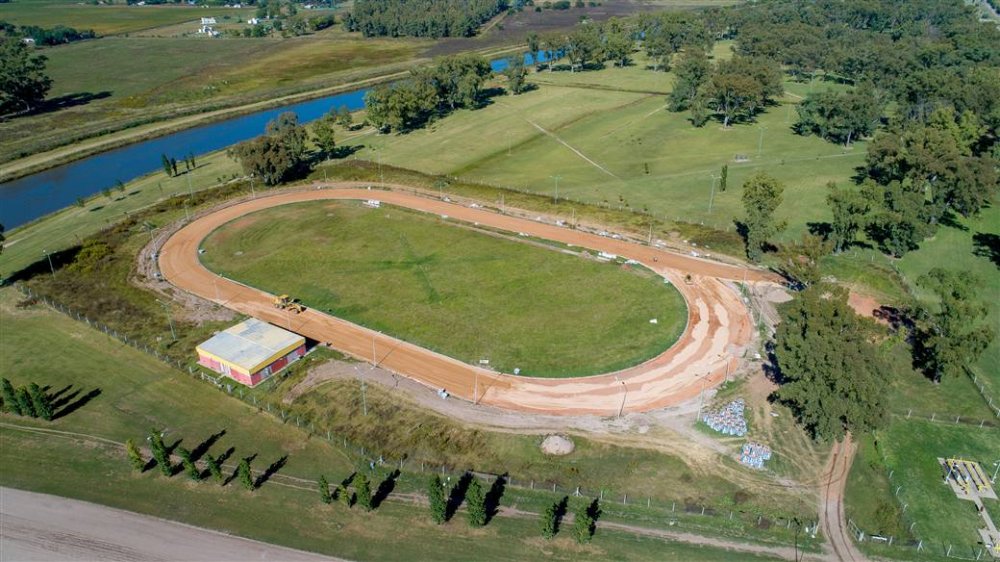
(207, 21)
(208, 30)
(30, 41)
(253, 21)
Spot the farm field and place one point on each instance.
(192, 74)
(106, 20)
(418, 278)
(611, 145)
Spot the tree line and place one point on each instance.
(23, 82)
(29, 401)
(453, 82)
(57, 35)
(421, 18)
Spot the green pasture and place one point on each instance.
(419, 278)
(139, 80)
(911, 451)
(110, 19)
(955, 247)
(622, 148)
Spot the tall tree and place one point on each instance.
(40, 402)
(475, 503)
(516, 74)
(192, 469)
(215, 468)
(799, 261)
(23, 82)
(24, 403)
(850, 210)
(762, 194)
(584, 523)
(691, 73)
(344, 117)
(324, 135)
(276, 155)
(955, 335)
(834, 376)
(135, 457)
(245, 475)
(438, 502)
(160, 453)
(324, 490)
(167, 168)
(534, 45)
(363, 491)
(10, 402)
(549, 518)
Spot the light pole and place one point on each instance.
(711, 195)
(760, 140)
(170, 319)
(253, 194)
(621, 409)
(364, 399)
(48, 256)
(994, 479)
(701, 398)
(557, 178)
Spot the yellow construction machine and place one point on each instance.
(285, 302)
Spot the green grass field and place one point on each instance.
(106, 20)
(424, 280)
(144, 79)
(137, 392)
(953, 247)
(611, 144)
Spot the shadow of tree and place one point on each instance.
(987, 245)
(205, 445)
(561, 509)
(384, 489)
(270, 471)
(494, 495)
(76, 405)
(457, 495)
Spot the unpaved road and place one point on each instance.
(718, 323)
(48, 528)
(832, 520)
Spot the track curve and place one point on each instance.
(718, 326)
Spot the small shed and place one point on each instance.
(251, 351)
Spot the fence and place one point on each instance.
(672, 511)
(982, 391)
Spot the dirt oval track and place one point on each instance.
(717, 332)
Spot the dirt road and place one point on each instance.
(717, 332)
(832, 520)
(49, 528)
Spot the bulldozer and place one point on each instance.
(285, 302)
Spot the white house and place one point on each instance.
(207, 21)
(29, 41)
(253, 21)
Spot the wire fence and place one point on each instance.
(693, 514)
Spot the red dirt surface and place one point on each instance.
(718, 327)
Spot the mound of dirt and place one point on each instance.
(557, 445)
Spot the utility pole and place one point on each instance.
(49, 257)
(253, 194)
(190, 190)
(994, 479)
(170, 318)
(760, 140)
(381, 176)
(557, 178)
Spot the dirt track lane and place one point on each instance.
(717, 331)
(49, 528)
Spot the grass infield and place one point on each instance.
(425, 279)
